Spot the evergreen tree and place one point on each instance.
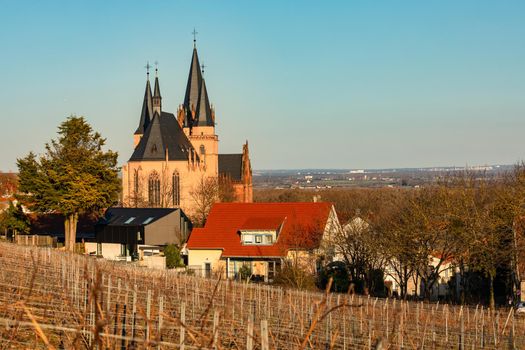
(72, 177)
(15, 220)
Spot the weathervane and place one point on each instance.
(202, 68)
(156, 68)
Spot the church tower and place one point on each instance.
(146, 113)
(174, 153)
(157, 99)
(197, 117)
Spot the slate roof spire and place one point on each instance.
(147, 107)
(164, 138)
(157, 99)
(203, 115)
(191, 98)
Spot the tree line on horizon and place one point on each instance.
(469, 223)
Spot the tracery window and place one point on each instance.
(154, 189)
(176, 188)
(136, 182)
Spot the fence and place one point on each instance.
(35, 240)
(51, 299)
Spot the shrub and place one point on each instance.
(245, 272)
(172, 254)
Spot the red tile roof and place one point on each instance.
(303, 227)
(262, 223)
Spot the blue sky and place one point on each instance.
(310, 84)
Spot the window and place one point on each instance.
(248, 238)
(258, 239)
(136, 182)
(207, 270)
(176, 188)
(269, 239)
(202, 151)
(123, 250)
(128, 221)
(99, 249)
(154, 189)
(148, 220)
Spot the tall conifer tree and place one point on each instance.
(72, 177)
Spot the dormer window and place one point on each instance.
(262, 237)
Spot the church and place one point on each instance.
(176, 156)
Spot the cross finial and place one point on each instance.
(202, 68)
(147, 66)
(194, 37)
(156, 68)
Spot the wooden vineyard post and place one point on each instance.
(361, 318)
(386, 319)
(417, 319)
(344, 327)
(369, 334)
(134, 315)
(123, 343)
(148, 314)
(462, 340)
(108, 305)
(215, 328)
(182, 325)
(482, 336)
(446, 326)
(264, 335)
(401, 327)
(249, 336)
(159, 328)
(494, 328)
(116, 323)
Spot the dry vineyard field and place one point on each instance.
(56, 300)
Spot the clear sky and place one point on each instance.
(310, 84)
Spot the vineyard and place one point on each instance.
(52, 300)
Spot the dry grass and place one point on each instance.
(51, 299)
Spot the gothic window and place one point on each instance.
(136, 182)
(154, 189)
(176, 188)
(202, 151)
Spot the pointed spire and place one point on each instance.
(147, 108)
(157, 99)
(193, 86)
(203, 115)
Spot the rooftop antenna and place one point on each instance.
(194, 37)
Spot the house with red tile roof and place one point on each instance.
(260, 236)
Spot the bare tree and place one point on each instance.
(137, 198)
(226, 190)
(204, 195)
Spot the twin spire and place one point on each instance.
(197, 108)
(196, 102)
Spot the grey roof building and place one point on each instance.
(146, 226)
